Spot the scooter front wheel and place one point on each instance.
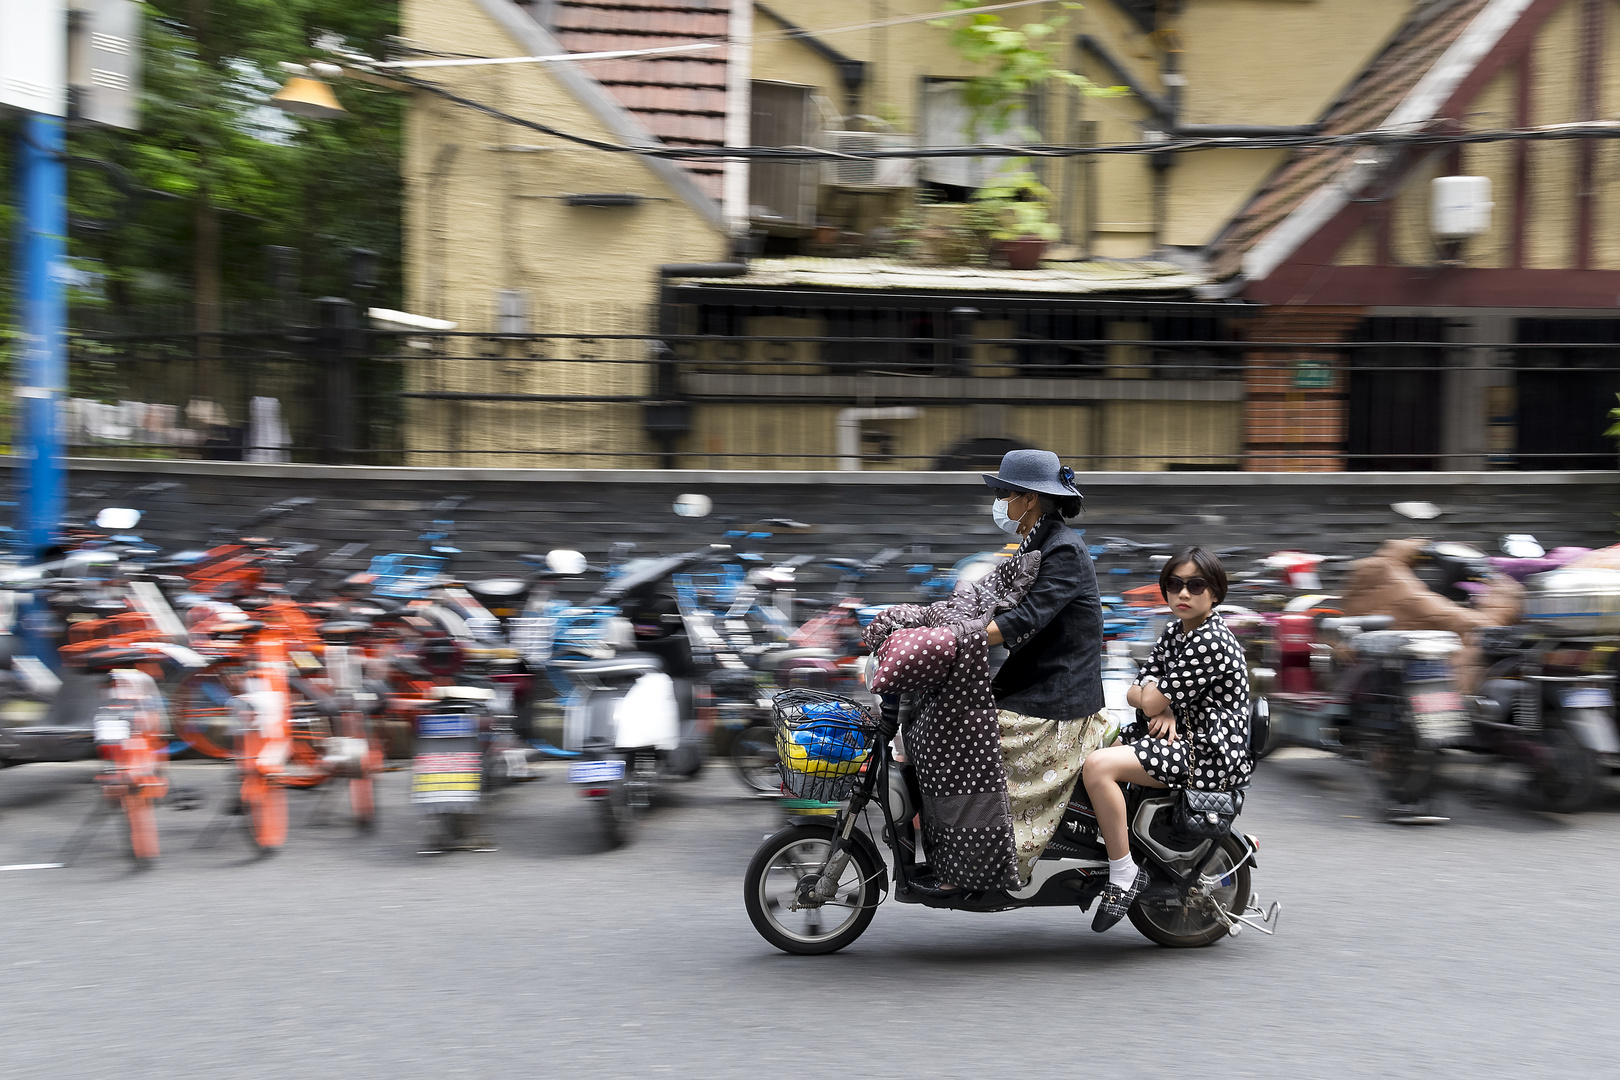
(775, 886)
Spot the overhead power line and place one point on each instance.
(1424, 137)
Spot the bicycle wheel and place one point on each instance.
(201, 709)
(143, 837)
(363, 801)
(265, 803)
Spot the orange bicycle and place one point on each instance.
(130, 727)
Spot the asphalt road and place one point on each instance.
(1480, 949)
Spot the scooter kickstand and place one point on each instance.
(1271, 916)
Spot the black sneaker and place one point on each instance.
(930, 886)
(1115, 901)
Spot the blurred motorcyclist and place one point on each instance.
(1386, 583)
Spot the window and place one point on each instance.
(782, 192)
(945, 123)
(1395, 396)
(1565, 394)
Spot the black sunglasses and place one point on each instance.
(1194, 585)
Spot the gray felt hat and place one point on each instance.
(1033, 470)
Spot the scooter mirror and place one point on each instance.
(694, 506)
(565, 562)
(118, 519)
(1453, 550)
(1522, 546)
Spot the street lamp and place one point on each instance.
(307, 95)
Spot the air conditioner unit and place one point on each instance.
(870, 172)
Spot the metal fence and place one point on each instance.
(778, 387)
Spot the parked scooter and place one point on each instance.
(631, 713)
(815, 886)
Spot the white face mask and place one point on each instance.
(998, 511)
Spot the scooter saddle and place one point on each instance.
(774, 659)
(1358, 624)
(626, 665)
(103, 660)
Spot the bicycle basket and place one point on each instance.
(402, 575)
(823, 742)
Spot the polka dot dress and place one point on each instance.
(1206, 679)
(942, 654)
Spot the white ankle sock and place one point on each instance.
(1122, 872)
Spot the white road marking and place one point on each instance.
(33, 866)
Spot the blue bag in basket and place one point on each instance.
(828, 741)
(832, 710)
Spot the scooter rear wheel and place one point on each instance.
(1195, 924)
(1565, 774)
(771, 887)
(618, 811)
(1403, 762)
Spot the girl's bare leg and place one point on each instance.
(1102, 774)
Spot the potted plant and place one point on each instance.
(1017, 203)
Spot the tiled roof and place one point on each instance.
(681, 99)
(1376, 93)
(1079, 277)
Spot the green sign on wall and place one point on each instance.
(1312, 375)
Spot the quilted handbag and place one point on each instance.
(1207, 815)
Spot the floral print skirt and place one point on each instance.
(1043, 759)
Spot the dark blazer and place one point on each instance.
(1054, 635)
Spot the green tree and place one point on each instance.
(1014, 63)
(217, 174)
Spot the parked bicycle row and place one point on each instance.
(310, 669)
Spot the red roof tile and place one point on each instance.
(1369, 101)
(679, 98)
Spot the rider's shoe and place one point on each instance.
(1115, 901)
(981, 900)
(929, 885)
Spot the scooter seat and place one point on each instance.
(503, 588)
(1362, 624)
(103, 660)
(625, 665)
(341, 628)
(774, 659)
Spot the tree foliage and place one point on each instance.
(1014, 62)
(211, 149)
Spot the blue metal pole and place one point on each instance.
(42, 376)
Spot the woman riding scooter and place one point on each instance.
(1049, 692)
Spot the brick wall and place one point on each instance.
(1289, 426)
